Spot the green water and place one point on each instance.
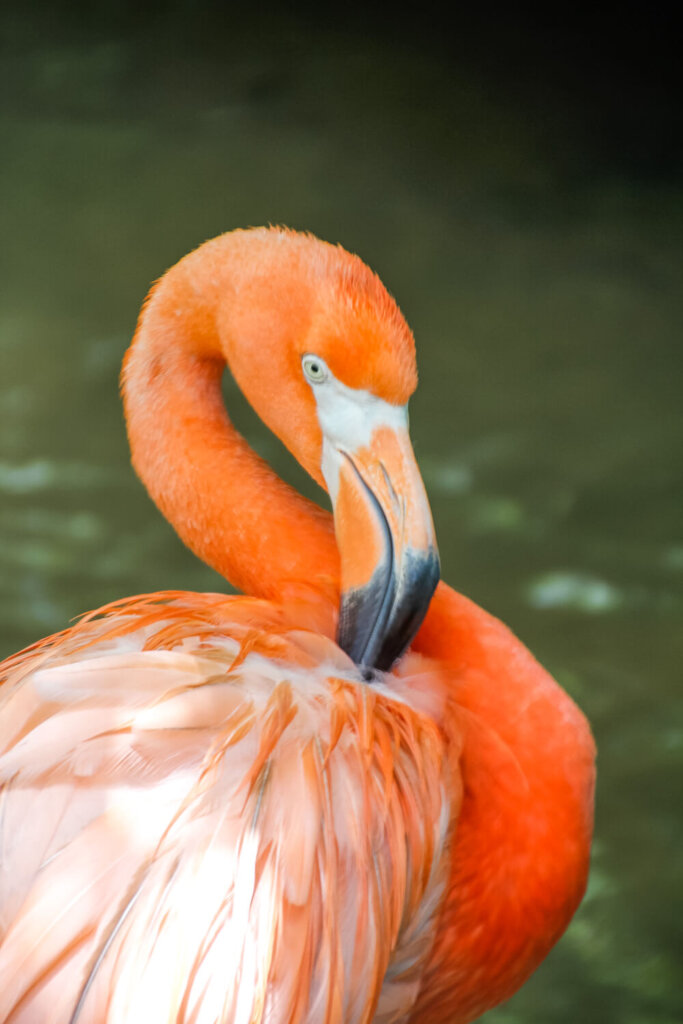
(543, 283)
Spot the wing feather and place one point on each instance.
(223, 825)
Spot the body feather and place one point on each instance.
(180, 797)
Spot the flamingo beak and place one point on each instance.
(385, 536)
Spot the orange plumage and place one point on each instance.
(209, 812)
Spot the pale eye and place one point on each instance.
(314, 369)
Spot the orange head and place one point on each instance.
(297, 296)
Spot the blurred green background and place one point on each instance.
(517, 185)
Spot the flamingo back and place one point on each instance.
(207, 816)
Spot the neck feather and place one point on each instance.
(224, 501)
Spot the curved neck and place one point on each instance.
(224, 501)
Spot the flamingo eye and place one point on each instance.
(314, 369)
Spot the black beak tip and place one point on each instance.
(419, 580)
(378, 622)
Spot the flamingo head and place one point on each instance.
(335, 362)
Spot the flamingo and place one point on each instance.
(350, 795)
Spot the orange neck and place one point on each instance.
(522, 839)
(224, 501)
